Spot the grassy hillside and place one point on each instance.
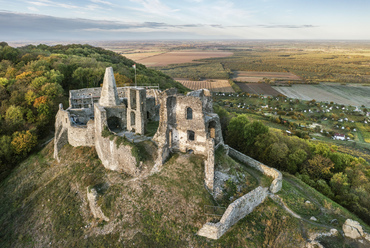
(44, 204)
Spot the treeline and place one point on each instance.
(339, 176)
(35, 79)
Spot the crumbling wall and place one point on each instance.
(84, 98)
(152, 109)
(136, 110)
(187, 124)
(68, 132)
(119, 112)
(213, 128)
(81, 116)
(278, 177)
(167, 122)
(209, 166)
(113, 157)
(82, 135)
(196, 124)
(61, 131)
(235, 211)
(245, 204)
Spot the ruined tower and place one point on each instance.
(109, 96)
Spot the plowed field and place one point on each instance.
(255, 76)
(355, 95)
(258, 88)
(179, 57)
(214, 85)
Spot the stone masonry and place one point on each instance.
(186, 124)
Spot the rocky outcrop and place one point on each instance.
(352, 229)
(92, 197)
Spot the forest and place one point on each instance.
(35, 79)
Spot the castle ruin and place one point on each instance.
(186, 124)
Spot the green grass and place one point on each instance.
(43, 202)
(295, 198)
(196, 71)
(151, 128)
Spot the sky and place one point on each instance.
(53, 20)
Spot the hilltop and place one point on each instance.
(45, 204)
(35, 79)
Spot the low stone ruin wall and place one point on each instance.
(245, 204)
(275, 174)
(235, 211)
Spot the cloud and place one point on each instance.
(53, 4)
(39, 3)
(153, 7)
(33, 9)
(33, 26)
(273, 26)
(103, 2)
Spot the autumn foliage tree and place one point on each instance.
(23, 142)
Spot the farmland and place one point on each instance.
(176, 57)
(258, 88)
(196, 72)
(257, 76)
(355, 95)
(251, 61)
(215, 85)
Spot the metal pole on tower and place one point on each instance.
(135, 75)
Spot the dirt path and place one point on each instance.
(280, 201)
(312, 199)
(253, 173)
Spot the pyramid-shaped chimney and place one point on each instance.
(109, 96)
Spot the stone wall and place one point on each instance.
(82, 135)
(235, 211)
(196, 124)
(136, 110)
(209, 165)
(112, 157)
(152, 109)
(245, 204)
(185, 123)
(61, 132)
(275, 174)
(68, 132)
(84, 98)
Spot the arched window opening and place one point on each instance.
(191, 135)
(133, 99)
(212, 129)
(132, 118)
(189, 113)
(114, 124)
(170, 138)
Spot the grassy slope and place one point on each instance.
(44, 204)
